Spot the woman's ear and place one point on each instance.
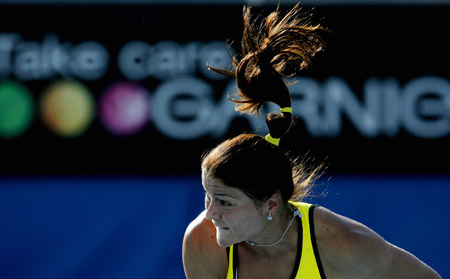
(274, 203)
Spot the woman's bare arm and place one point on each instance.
(349, 249)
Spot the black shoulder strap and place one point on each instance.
(299, 248)
(314, 242)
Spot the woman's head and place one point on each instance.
(258, 168)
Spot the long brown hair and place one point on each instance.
(279, 47)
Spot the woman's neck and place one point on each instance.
(280, 233)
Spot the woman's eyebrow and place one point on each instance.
(223, 195)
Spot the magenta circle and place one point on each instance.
(125, 108)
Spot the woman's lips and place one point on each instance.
(221, 227)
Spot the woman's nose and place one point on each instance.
(212, 211)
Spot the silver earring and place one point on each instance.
(270, 216)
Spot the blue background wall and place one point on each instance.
(132, 227)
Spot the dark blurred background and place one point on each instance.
(106, 108)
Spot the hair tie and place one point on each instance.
(286, 109)
(274, 141)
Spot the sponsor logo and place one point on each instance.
(183, 101)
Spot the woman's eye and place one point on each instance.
(225, 203)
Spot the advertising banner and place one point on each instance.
(125, 88)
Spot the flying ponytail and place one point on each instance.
(280, 47)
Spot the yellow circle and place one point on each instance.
(67, 108)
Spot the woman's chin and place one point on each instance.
(223, 238)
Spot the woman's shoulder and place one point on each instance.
(201, 234)
(202, 256)
(346, 244)
(330, 224)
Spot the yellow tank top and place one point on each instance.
(308, 265)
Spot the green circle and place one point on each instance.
(16, 109)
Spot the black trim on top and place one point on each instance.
(299, 248)
(235, 260)
(314, 243)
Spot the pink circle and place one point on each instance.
(124, 108)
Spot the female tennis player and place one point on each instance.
(255, 224)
